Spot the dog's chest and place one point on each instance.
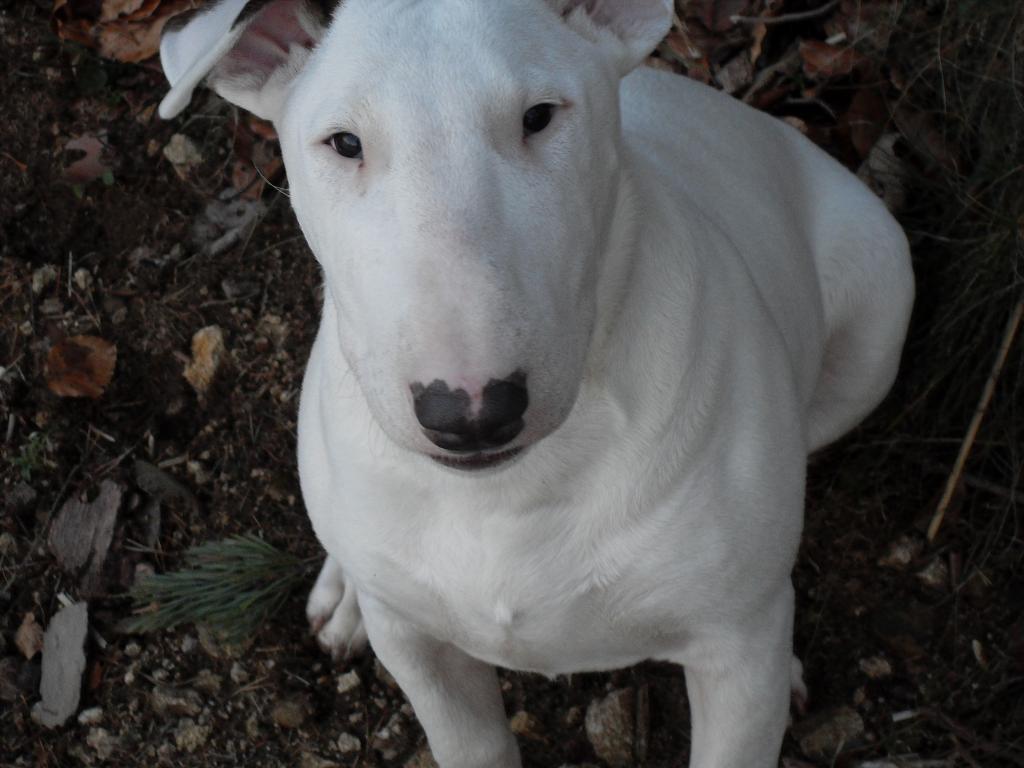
(527, 596)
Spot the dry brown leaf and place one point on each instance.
(29, 637)
(87, 168)
(823, 61)
(207, 353)
(125, 30)
(760, 32)
(80, 366)
(112, 9)
(866, 119)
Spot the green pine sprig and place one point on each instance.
(233, 586)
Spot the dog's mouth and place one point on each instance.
(477, 461)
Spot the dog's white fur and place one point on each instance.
(698, 295)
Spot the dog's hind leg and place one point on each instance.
(333, 613)
(867, 290)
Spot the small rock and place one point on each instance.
(875, 667)
(238, 674)
(573, 717)
(290, 713)
(132, 650)
(825, 735)
(42, 277)
(935, 575)
(610, 727)
(102, 742)
(189, 736)
(207, 353)
(901, 553)
(83, 279)
(348, 682)
(526, 725)
(387, 740)
(63, 665)
(182, 152)
(347, 744)
(188, 643)
(208, 681)
(252, 727)
(178, 702)
(91, 716)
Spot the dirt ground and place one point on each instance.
(923, 647)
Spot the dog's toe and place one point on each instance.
(798, 689)
(343, 635)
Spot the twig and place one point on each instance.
(786, 18)
(979, 414)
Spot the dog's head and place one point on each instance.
(454, 165)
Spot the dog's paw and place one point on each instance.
(797, 687)
(333, 614)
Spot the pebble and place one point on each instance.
(935, 575)
(208, 681)
(825, 735)
(347, 744)
(610, 725)
(213, 642)
(102, 742)
(133, 650)
(901, 553)
(91, 716)
(189, 736)
(171, 701)
(181, 150)
(526, 725)
(348, 682)
(238, 674)
(42, 277)
(386, 740)
(290, 713)
(875, 667)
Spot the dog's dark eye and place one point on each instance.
(537, 118)
(346, 145)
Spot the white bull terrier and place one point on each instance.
(582, 325)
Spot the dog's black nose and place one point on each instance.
(447, 421)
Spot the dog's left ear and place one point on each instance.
(249, 51)
(628, 30)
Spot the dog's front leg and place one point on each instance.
(738, 683)
(456, 697)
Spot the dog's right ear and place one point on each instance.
(249, 51)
